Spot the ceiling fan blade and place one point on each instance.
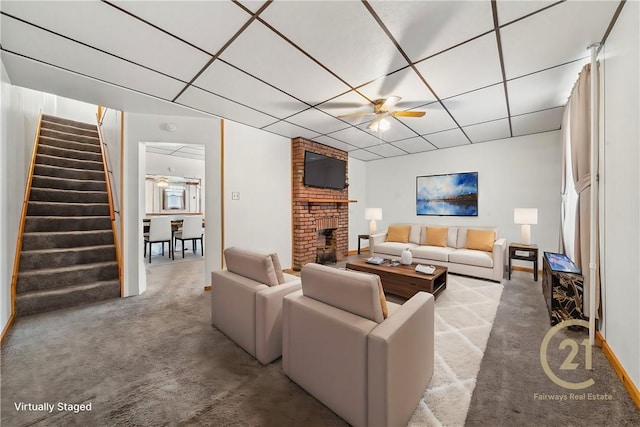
(389, 103)
(408, 113)
(356, 115)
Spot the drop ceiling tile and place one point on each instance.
(189, 155)
(423, 28)
(262, 53)
(252, 5)
(290, 130)
(38, 44)
(488, 131)
(158, 150)
(448, 138)
(224, 80)
(511, 10)
(192, 149)
(471, 66)
(479, 106)
(386, 150)
(364, 155)
(436, 120)
(351, 44)
(356, 137)
(543, 40)
(205, 24)
(114, 32)
(317, 121)
(404, 83)
(414, 145)
(213, 104)
(332, 142)
(541, 121)
(546, 89)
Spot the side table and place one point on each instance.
(524, 252)
(360, 237)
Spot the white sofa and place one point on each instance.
(486, 264)
(337, 345)
(246, 301)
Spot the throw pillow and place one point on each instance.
(436, 236)
(480, 240)
(398, 233)
(383, 300)
(414, 234)
(277, 267)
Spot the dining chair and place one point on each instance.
(191, 230)
(159, 232)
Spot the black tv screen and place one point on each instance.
(324, 172)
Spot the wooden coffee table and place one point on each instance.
(403, 280)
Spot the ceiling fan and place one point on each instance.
(381, 111)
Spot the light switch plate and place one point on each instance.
(235, 195)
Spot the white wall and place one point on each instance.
(357, 191)
(141, 128)
(521, 172)
(257, 165)
(621, 181)
(19, 115)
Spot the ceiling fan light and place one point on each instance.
(383, 125)
(163, 182)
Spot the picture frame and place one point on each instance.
(452, 194)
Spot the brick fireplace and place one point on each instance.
(320, 215)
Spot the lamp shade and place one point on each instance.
(373, 214)
(525, 216)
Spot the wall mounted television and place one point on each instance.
(324, 172)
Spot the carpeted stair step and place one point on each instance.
(65, 257)
(68, 122)
(61, 127)
(52, 150)
(54, 278)
(70, 145)
(65, 223)
(47, 170)
(67, 209)
(68, 184)
(70, 136)
(42, 301)
(68, 196)
(66, 239)
(45, 159)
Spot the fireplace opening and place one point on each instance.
(326, 246)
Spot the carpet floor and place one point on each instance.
(155, 360)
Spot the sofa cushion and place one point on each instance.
(480, 240)
(351, 291)
(436, 253)
(398, 233)
(277, 267)
(253, 265)
(393, 248)
(436, 236)
(472, 257)
(414, 234)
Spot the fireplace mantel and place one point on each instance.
(327, 201)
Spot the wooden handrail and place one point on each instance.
(112, 215)
(23, 217)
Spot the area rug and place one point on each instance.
(464, 315)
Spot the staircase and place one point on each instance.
(68, 254)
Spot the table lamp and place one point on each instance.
(525, 217)
(373, 215)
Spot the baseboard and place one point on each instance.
(633, 391)
(527, 269)
(355, 251)
(7, 328)
(207, 287)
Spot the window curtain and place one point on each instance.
(580, 142)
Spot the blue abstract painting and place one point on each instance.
(454, 194)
